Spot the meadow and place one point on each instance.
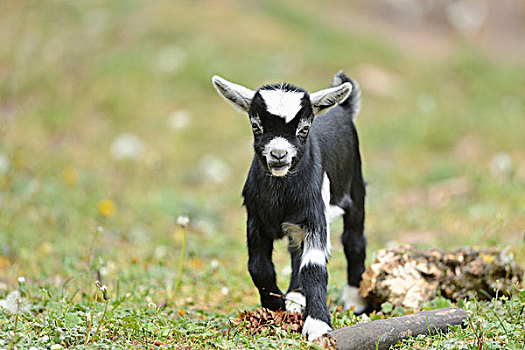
(110, 130)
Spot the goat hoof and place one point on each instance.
(351, 298)
(314, 328)
(295, 302)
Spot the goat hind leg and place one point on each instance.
(354, 243)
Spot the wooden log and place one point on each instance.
(382, 334)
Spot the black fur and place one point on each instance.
(331, 147)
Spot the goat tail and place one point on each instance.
(353, 102)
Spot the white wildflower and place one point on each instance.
(152, 305)
(14, 303)
(160, 252)
(207, 227)
(392, 244)
(4, 164)
(32, 187)
(21, 279)
(183, 221)
(363, 318)
(56, 346)
(215, 169)
(171, 59)
(138, 235)
(179, 120)
(467, 16)
(501, 164)
(214, 264)
(127, 146)
(225, 290)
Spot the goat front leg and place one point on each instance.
(261, 268)
(314, 280)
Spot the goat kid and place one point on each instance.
(305, 172)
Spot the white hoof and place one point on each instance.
(351, 298)
(295, 302)
(314, 328)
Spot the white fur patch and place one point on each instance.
(295, 302)
(331, 211)
(351, 298)
(284, 104)
(280, 172)
(313, 256)
(314, 328)
(280, 143)
(325, 194)
(325, 190)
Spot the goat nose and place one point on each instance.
(278, 154)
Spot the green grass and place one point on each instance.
(75, 75)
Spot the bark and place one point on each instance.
(382, 334)
(408, 277)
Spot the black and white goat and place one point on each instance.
(305, 172)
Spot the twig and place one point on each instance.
(479, 341)
(283, 296)
(91, 319)
(181, 259)
(100, 322)
(16, 317)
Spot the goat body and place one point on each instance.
(306, 171)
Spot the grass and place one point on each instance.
(76, 75)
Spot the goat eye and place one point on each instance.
(303, 132)
(256, 128)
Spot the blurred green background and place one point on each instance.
(108, 118)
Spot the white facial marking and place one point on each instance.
(313, 256)
(314, 328)
(280, 143)
(295, 302)
(351, 298)
(284, 104)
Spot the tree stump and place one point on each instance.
(408, 277)
(382, 334)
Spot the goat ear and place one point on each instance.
(325, 99)
(237, 95)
